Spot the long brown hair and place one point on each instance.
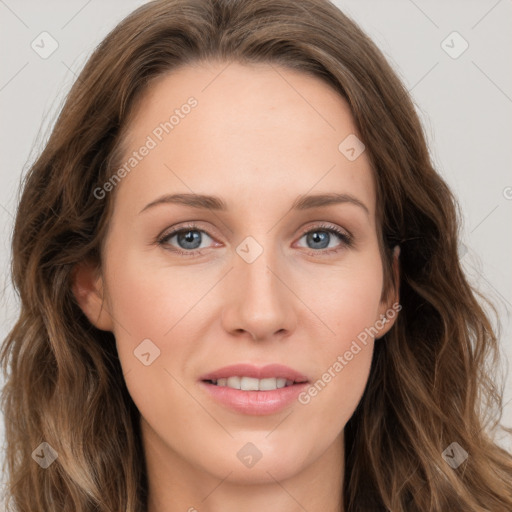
(429, 384)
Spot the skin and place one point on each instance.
(260, 137)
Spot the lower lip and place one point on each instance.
(256, 403)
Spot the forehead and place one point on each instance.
(254, 131)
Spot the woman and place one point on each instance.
(319, 349)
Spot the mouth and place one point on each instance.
(252, 390)
(248, 377)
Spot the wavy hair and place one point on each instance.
(430, 383)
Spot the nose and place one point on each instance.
(260, 304)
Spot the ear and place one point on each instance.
(390, 307)
(88, 288)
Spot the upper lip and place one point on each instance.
(257, 372)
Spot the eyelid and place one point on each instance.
(327, 226)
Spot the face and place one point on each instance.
(263, 274)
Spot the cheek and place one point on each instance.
(348, 305)
(159, 304)
(348, 298)
(147, 301)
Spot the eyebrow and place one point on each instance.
(206, 202)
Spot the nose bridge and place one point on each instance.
(255, 269)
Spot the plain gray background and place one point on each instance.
(465, 102)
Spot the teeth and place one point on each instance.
(270, 384)
(252, 384)
(249, 384)
(233, 382)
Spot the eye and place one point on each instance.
(189, 239)
(320, 238)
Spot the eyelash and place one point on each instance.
(345, 238)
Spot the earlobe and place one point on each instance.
(88, 289)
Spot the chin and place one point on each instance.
(261, 461)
